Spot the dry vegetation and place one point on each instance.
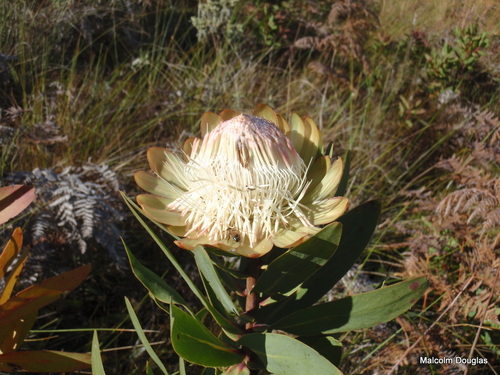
(413, 98)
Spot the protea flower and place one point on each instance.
(252, 182)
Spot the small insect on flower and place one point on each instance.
(234, 235)
(263, 178)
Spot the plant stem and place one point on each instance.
(252, 299)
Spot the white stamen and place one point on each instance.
(244, 176)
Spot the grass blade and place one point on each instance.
(142, 337)
(97, 366)
(182, 366)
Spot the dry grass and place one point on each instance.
(437, 17)
(454, 241)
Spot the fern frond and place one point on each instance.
(78, 202)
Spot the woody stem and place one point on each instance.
(252, 299)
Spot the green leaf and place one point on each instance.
(202, 314)
(296, 265)
(149, 370)
(195, 343)
(233, 279)
(208, 271)
(355, 312)
(44, 361)
(284, 355)
(327, 346)
(142, 336)
(341, 190)
(358, 226)
(97, 367)
(153, 283)
(214, 301)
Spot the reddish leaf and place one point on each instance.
(14, 199)
(14, 334)
(33, 298)
(14, 275)
(11, 250)
(58, 284)
(45, 361)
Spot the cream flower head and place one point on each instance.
(252, 182)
